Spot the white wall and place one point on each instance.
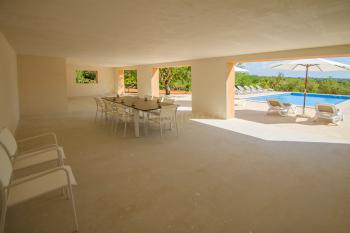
(105, 85)
(42, 84)
(9, 107)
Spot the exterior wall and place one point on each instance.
(9, 102)
(42, 84)
(105, 85)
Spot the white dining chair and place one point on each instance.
(100, 108)
(14, 192)
(111, 113)
(31, 158)
(123, 115)
(166, 115)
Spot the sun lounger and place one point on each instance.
(243, 91)
(328, 112)
(263, 90)
(248, 90)
(238, 91)
(281, 108)
(255, 90)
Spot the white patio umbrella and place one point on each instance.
(319, 64)
(239, 69)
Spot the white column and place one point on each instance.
(213, 88)
(148, 80)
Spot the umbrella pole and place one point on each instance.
(305, 88)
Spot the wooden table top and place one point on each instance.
(137, 103)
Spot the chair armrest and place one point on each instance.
(52, 134)
(45, 173)
(39, 148)
(33, 153)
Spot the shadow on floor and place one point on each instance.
(275, 118)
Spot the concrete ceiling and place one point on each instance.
(130, 32)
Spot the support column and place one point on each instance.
(155, 82)
(213, 88)
(119, 81)
(148, 80)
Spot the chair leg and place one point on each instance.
(70, 191)
(65, 193)
(161, 129)
(125, 124)
(175, 122)
(116, 125)
(3, 211)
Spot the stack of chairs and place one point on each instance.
(38, 180)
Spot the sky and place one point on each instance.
(262, 68)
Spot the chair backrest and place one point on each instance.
(168, 110)
(110, 106)
(326, 108)
(5, 168)
(169, 101)
(99, 102)
(160, 98)
(8, 141)
(274, 103)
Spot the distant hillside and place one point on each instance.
(282, 83)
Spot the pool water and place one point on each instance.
(298, 98)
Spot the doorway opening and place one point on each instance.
(130, 81)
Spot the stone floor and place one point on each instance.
(209, 179)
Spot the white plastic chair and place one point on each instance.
(328, 112)
(123, 114)
(168, 100)
(100, 108)
(26, 188)
(32, 158)
(111, 112)
(167, 114)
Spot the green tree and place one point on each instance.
(176, 78)
(130, 79)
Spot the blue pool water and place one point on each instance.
(298, 98)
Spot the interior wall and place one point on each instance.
(42, 84)
(9, 106)
(105, 81)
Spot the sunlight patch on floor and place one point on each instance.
(270, 132)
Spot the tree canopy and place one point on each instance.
(281, 83)
(179, 78)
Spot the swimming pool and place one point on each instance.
(298, 98)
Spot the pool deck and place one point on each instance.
(251, 119)
(294, 126)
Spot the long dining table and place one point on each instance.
(138, 105)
